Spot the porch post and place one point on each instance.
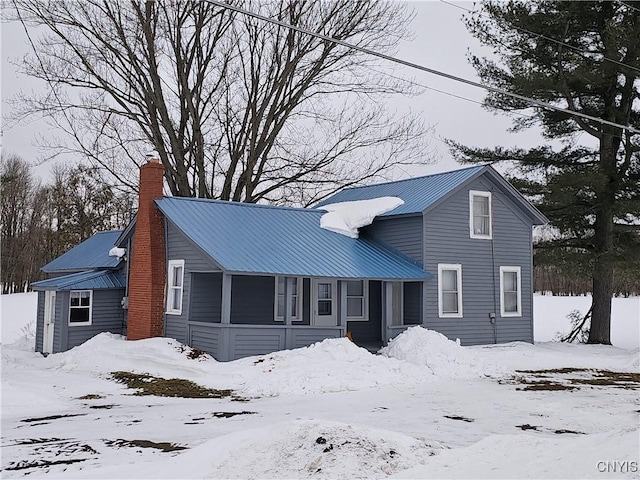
(225, 313)
(288, 303)
(226, 348)
(387, 309)
(342, 305)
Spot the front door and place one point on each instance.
(49, 321)
(325, 294)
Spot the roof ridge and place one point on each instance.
(417, 178)
(242, 204)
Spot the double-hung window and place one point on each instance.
(80, 307)
(450, 290)
(510, 292)
(480, 214)
(175, 287)
(356, 291)
(280, 301)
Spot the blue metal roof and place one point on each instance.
(92, 280)
(248, 238)
(418, 193)
(91, 254)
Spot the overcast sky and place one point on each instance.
(440, 42)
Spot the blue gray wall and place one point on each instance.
(180, 247)
(205, 297)
(40, 322)
(402, 233)
(446, 234)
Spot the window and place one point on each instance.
(175, 286)
(296, 302)
(450, 290)
(80, 307)
(510, 296)
(356, 291)
(480, 214)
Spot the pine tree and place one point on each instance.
(581, 56)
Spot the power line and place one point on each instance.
(553, 40)
(416, 66)
(628, 6)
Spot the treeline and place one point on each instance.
(40, 222)
(554, 280)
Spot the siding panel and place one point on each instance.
(403, 233)
(206, 297)
(106, 316)
(205, 338)
(40, 322)
(181, 248)
(446, 233)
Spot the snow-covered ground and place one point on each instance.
(425, 408)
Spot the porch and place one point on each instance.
(232, 316)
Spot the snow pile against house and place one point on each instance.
(442, 356)
(346, 218)
(333, 365)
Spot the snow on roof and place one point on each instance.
(346, 218)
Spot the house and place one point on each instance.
(86, 290)
(237, 279)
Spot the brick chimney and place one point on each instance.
(147, 269)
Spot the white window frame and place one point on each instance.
(478, 193)
(298, 315)
(365, 302)
(517, 271)
(458, 269)
(171, 289)
(78, 324)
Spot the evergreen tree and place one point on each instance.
(585, 57)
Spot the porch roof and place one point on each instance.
(261, 239)
(92, 280)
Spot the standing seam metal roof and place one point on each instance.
(91, 254)
(92, 280)
(249, 238)
(418, 193)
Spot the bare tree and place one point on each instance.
(237, 108)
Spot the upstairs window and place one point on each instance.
(356, 300)
(450, 290)
(480, 214)
(80, 307)
(510, 296)
(296, 285)
(175, 287)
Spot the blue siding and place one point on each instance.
(205, 338)
(402, 233)
(61, 320)
(181, 248)
(106, 316)
(40, 322)
(446, 233)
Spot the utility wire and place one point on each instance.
(553, 40)
(454, 95)
(416, 66)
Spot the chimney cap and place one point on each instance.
(152, 157)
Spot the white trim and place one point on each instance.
(472, 234)
(172, 289)
(298, 315)
(365, 302)
(517, 271)
(458, 269)
(77, 324)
